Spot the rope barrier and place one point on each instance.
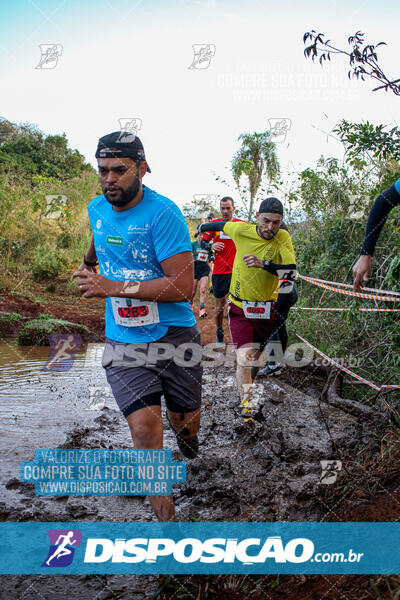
(346, 370)
(341, 309)
(350, 286)
(348, 293)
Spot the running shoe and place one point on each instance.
(202, 313)
(247, 414)
(189, 448)
(246, 409)
(273, 369)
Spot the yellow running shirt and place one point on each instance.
(251, 283)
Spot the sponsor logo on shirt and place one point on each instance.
(115, 240)
(136, 229)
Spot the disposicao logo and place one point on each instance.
(62, 547)
(190, 550)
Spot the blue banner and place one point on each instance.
(101, 472)
(199, 548)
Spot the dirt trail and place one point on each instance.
(273, 474)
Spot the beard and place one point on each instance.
(264, 235)
(126, 195)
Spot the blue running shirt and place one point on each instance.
(130, 245)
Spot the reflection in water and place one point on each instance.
(22, 367)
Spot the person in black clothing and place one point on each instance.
(287, 298)
(376, 220)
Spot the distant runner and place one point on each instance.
(376, 220)
(264, 254)
(225, 251)
(201, 260)
(145, 258)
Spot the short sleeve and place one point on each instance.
(286, 250)
(170, 232)
(232, 228)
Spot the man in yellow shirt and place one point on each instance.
(264, 255)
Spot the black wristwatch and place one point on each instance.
(89, 264)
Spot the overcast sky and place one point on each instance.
(127, 59)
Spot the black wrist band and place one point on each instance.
(266, 264)
(89, 264)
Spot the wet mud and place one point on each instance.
(272, 473)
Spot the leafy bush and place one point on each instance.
(64, 240)
(36, 332)
(47, 264)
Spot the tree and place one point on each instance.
(29, 152)
(202, 205)
(255, 158)
(367, 144)
(363, 60)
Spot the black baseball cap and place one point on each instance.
(121, 144)
(271, 205)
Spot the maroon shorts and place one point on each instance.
(250, 331)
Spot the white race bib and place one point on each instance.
(130, 312)
(201, 255)
(257, 310)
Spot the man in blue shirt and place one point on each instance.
(153, 348)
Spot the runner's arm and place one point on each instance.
(90, 256)
(206, 245)
(213, 226)
(175, 286)
(376, 220)
(283, 271)
(288, 272)
(377, 217)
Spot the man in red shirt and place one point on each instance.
(224, 250)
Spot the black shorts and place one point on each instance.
(201, 269)
(140, 375)
(221, 284)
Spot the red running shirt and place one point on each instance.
(223, 258)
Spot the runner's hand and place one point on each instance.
(253, 261)
(362, 270)
(93, 284)
(218, 246)
(84, 267)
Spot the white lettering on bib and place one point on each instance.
(130, 312)
(202, 256)
(257, 310)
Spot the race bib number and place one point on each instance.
(257, 310)
(202, 256)
(130, 312)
